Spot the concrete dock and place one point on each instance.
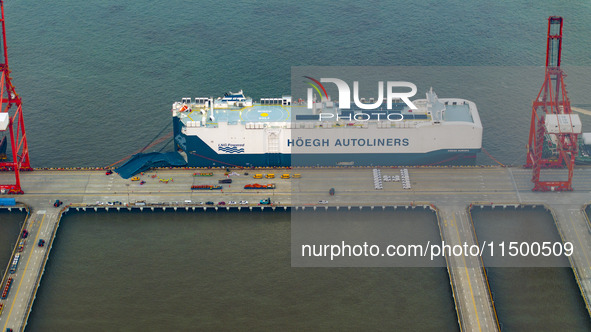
(471, 292)
(41, 224)
(450, 190)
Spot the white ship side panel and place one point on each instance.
(231, 139)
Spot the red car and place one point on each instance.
(221, 203)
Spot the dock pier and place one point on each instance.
(450, 191)
(474, 305)
(573, 225)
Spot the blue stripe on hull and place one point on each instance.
(200, 154)
(283, 160)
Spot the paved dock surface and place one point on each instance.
(40, 224)
(451, 190)
(574, 228)
(474, 306)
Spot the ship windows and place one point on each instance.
(271, 101)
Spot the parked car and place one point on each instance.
(222, 203)
(243, 202)
(322, 202)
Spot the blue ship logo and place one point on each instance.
(230, 149)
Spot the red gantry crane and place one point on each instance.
(11, 120)
(554, 129)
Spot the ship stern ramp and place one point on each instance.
(142, 162)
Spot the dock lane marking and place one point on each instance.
(468, 276)
(47, 227)
(515, 185)
(21, 279)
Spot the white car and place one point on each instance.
(322, 202)
(231, 203)
(243, 202)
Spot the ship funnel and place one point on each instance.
(435, 106)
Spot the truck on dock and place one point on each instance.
(266, 201)
(14, 264)
(6, 289)
(203, 174)
(259, 186)
(7, 202)
(206, 187)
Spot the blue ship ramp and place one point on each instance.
(144, 161)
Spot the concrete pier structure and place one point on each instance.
(448, 190)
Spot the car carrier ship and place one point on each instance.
(235, 131)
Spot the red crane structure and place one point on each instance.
(552, 121)
(11, 119)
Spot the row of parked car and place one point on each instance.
(224, 203)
